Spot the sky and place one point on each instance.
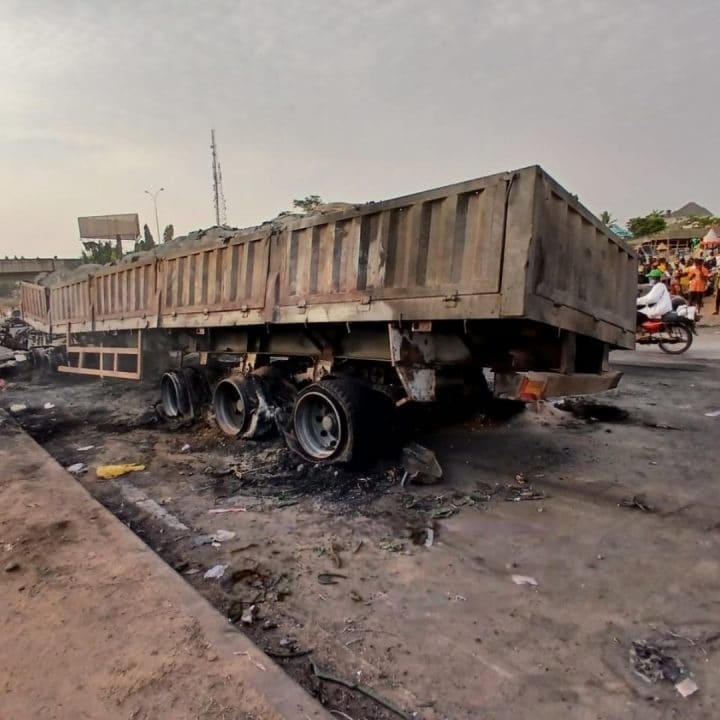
(353, 100)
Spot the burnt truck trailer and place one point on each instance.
(330, 320)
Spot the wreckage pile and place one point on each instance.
(14, 335)
(14, 332)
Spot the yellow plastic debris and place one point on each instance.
(108, 472)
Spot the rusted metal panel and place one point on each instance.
(92, 360)
(512, 245)
(70, 302)
(34, 303)
(216, 279)
(125, 291)
(428, 245)
(575, 263)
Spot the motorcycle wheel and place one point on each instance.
(682, 343)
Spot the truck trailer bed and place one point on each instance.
(509, 246)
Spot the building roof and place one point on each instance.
(675, 234)
(620, 231)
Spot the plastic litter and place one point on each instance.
(108, 472)
(524, 580)
(712, 413)
(222, 536)
(429, 537)
(77, 468)
(48, 406)
(248, 616)
(686, 687)
(215, 572)
(85, 448)
(17, 408)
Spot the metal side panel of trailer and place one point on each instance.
(511, 245)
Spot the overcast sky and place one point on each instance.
(353, 100)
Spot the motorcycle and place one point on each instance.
(673, 333)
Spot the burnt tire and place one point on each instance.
(340, 421)
(182, 393)
(234, 401)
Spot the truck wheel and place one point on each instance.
(327, 420)
(182, 392)
(233, 405)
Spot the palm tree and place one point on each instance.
(606, 218)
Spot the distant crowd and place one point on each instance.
(692, 278)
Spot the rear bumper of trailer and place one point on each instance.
(533, 386)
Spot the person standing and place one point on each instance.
(676, 283)
(717, 293)
(697, 275)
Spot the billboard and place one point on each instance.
(109, 227)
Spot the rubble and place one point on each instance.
(653, 664)
(14, 334)
(419, 464)
(216, 572)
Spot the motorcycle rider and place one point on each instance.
(657, 302)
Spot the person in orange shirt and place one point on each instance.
(697, 275)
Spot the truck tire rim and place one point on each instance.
(318, 423)
(230, 402)
(174, 395)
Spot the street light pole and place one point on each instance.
(157, 222)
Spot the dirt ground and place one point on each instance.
(96, 625)
(612, 513)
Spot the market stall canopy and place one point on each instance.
(711, 239)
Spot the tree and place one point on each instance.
(647, 225)
(148, 240)
(168, 233)
(606, 218)
(308, 204)
(147, 243)
(100, 253)
(7, 288)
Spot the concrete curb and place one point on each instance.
(34, 487)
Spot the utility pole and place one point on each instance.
(218, 195)
(154, 196)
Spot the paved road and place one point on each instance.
(705, 348)
(444, 630)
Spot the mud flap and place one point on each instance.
(412, 355)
